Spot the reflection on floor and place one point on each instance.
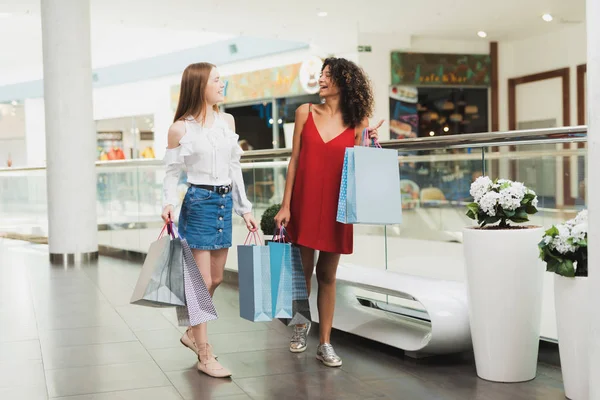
(71, 332)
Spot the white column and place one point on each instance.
(70, 136)
(593, 186)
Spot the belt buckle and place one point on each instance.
(223, 189)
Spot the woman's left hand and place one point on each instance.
(251, 223)
(372, 130)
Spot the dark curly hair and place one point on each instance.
(356, 94)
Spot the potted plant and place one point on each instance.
(267, 221)
(564, 250)
(504, 280)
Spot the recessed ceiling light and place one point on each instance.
(547, 17)
(482, 34)
(446, 129)
(322, 14)
(432, 133)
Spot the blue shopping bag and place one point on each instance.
(254, 277)
(280, 254)
(370, 187)
(300, 303)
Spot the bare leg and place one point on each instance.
(308, 263)
(326, 272)
(212, 268)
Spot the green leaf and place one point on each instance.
(473, 206)
(551, 265)
(509, 213)
(520, 212)
(531, 209)
(492, 220)
(566, 268)
(552, 231)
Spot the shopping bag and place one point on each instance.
(300, 304)
(280, 259)
(199, 306)
(160, 283)
(254, 277)
(370, 187)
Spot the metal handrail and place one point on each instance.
(469, 140)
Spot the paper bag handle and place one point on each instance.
(365, 140)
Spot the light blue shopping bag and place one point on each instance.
(254, 277)
(370, 187)
(280, 254)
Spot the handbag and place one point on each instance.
(161, 281)
(254, 280)
(364, 200)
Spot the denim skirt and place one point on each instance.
(205, 219)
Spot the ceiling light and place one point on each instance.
(482, 34)
(322, 14)
(446, 129)
(547, 17)
(280, 121)
(14, 102)
(271, 121)
(432, 133)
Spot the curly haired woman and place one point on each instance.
(321, 135)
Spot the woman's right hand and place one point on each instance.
(168, 213)
(282, 218)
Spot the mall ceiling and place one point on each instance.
(126, 30)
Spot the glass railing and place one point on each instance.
(435, 174)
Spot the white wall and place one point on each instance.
(564, 48)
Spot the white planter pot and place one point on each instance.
(572, 319)
(504, 283)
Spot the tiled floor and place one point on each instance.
(70, 333)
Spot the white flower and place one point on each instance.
(579, 231)
(511, 197)
(534, 202)
(548, 239)
(581, 217)
(488, 203)
(561, 241)
(480, 187)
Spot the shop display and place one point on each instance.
(404, 117)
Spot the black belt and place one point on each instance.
(217, 189)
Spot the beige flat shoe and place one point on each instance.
(207, 363)
(188, 341)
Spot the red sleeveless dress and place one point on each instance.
(314, 200)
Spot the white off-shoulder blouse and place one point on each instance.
(211, 156)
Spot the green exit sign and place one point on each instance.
(364, 49)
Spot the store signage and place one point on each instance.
(422, 69)
(146, 135)
(309, 73)
(109, 135)
(283, 81)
